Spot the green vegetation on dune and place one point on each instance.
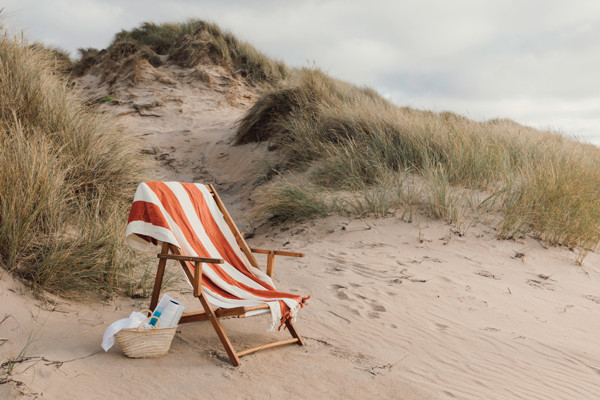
(188, 44)
(67, 177)
(349, 138)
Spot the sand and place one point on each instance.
(398, 310)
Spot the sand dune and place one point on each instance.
(398, 310)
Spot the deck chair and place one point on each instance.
(190, 224)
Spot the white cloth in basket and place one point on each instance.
(134, 320)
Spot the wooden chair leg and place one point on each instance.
(160, 273)
(235, 360)
(293, 332)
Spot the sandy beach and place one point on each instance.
(398, 310)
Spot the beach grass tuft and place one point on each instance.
(186, 44)
(68, 175)
(350, 138)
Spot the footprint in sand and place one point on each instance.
(378, 307)
(595, 299)
(487, 274)
(337, 287)
(540, 284)
(342, 295)
(359, 301)
(336, 269)
(340, 291)
(441, 327)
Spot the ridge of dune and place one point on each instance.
(398, 310)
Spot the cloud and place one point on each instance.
(534, 61)
(65, 23)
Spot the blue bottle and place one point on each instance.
(153, 320)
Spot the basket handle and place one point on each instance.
(155, 326)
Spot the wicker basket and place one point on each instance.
(146, 343)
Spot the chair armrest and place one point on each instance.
(277, 252)
(271, 257)
(191, 258)
(197, 278)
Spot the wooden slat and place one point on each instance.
(197, 279)
(238, 311)
(190, 258)
(236, 232)
(266, 346)
(220, 313)
(230, 312)
(193, 317)
(278, 252)
(270, 263)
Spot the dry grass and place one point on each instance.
(287, 200)
(67, 177)
(186, 44)
(353, 139)
(59, 58)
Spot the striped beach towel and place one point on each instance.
(187, 216)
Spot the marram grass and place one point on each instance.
(68, 175)
(187, 44)
(542, 182)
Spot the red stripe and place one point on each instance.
(216, 236)
(210, 285)
(147, 212)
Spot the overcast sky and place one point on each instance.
(537, 62)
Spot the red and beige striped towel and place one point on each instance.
(187, 216)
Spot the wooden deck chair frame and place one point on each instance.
(171, 252)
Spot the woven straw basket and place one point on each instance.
(146, 343)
